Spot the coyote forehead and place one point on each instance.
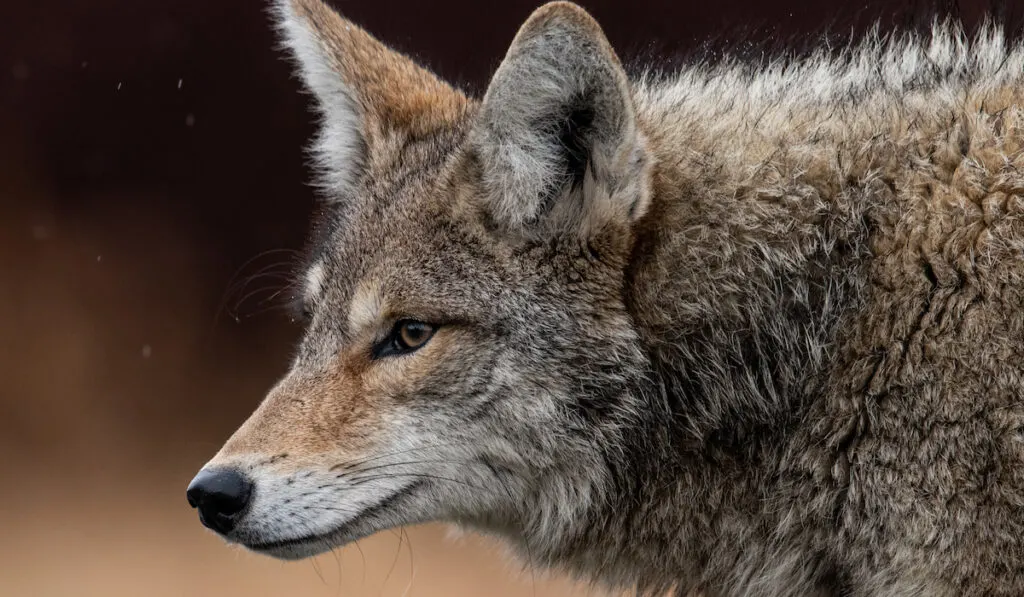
(741, 330)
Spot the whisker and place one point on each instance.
(316, 567)
(363, 556)
(287, 283)
(402, 463)
(290, 286)
(394, 562)
(233, 285)
(363, 480)
(337, 564)
(412, 563)
(334, 509)
(259, 312)
(261, 255)
(508, 492)
(359, 461)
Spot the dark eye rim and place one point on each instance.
(394, 345)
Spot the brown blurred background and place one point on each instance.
(152, 195)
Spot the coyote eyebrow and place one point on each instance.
(367, 306)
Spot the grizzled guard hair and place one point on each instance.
(738, 329)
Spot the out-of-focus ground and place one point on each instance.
(151, 197)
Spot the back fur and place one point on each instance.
(831, 291)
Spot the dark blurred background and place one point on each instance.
(152, 197)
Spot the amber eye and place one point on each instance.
(414, 334)
(405, 337)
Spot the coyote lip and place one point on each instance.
(341, 534)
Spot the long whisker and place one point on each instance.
(398, 553)
(290, 286)
(335, 509)
(402, 463)
(337, 563)
(359, 461)
(259, 312)
(285, 281)
(233, 283)
(362, 480)
(363, 556)
(316, 567)
(508, 492)
(261, 255)
(267, 275)
(412, 563)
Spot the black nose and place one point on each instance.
(221, 496)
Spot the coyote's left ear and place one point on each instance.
(557, 136)
(366, 92)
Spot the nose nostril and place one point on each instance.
(221, 496)
(194, 494)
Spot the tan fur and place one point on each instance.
(335, 412)
(392, 91)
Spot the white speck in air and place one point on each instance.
(147, 351)
(190, 119)
(119, 86)
(180, 81)
(99, 258)
(85, 63)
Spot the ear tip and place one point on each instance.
(305, 25)
(298, 5)
(563, 12)
(285, 10)
(561, 7)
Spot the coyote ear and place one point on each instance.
(365, 91)
(557, 135)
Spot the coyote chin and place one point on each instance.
(738, 330)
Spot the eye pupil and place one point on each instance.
(406, 336)
(414, 334)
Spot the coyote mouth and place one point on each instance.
(355, 528)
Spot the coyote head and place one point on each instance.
(469, 356)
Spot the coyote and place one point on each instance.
(736, 330)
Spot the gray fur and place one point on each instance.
(558, 80)
(796, 369)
